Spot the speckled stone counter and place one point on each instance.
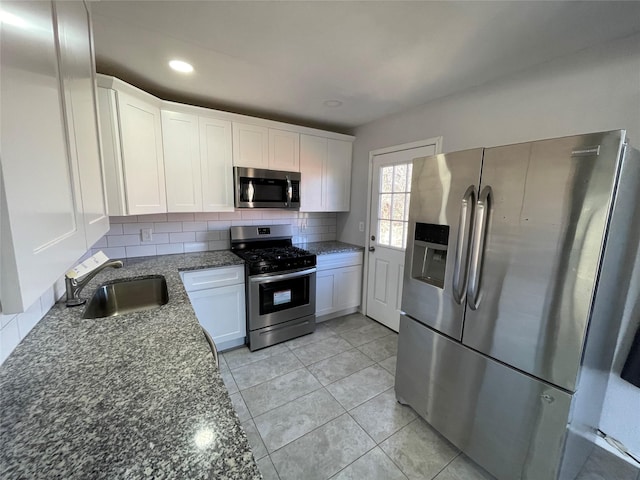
(136, 396)
(325, 248)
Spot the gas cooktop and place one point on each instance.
(276, 259)
(268, 249)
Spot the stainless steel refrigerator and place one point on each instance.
(516, 274)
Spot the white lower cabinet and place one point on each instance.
(217, 297)
(338, 284)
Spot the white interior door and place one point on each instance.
(390, 191)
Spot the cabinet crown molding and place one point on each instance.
(107, 81)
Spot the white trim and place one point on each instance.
(437, 143)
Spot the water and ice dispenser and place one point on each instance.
(430, 253)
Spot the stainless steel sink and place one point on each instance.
(127, 295)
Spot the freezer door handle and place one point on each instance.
(461, 265)
(483, 210)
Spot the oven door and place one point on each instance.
(279, 297)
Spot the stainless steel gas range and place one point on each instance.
(280, 284)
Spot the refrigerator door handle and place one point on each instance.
(479, 235)
(461, 265)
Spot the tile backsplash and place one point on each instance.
(14, 327)
(198, 232)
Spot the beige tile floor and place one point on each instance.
(323, 406)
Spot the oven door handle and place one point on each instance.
(284, 276)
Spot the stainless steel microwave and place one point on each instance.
(258, 188)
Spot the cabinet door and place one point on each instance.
(217, 165)
(143, 165)
(349, 291)
(180, 142)
(42, 227)
(338, 176)
(313, 157)
(326, 297)
(77, 68)
(250, 146)
(284, 150)
(111, 151)
(221, 312)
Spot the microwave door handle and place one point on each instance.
(289, 191)
(483, 209)
(461, 266)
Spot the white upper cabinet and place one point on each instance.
(198, 162)
(216, 164)
(181, 143)
(338, 175)
(268, 148)
(133, 156)
(78, 71)
(149, 143)
(284, 150)
(313, 158)
(49, 140)
(325, 167)
(250, 145)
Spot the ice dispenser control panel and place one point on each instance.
(430, 253)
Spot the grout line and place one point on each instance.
(288, 401)
(351, 374)
(274, 466)
(445, 467)
(311, 431)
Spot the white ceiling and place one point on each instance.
(282, 60)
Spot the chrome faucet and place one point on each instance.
(75, 285)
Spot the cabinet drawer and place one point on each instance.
(213, 277)
(338, 260)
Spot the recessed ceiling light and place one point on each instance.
(180, 66)
(332, 103)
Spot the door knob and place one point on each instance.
(372, 249)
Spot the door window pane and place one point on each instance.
(384, 232)
(397, 211)
(393, 204)
(386, 179)
(397, 234)
(385, 206)
(400, 178)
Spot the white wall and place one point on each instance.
(594, 90)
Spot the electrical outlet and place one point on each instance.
(146, 234)
(361, 226)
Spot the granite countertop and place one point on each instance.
(326, 248)
(136, 396)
